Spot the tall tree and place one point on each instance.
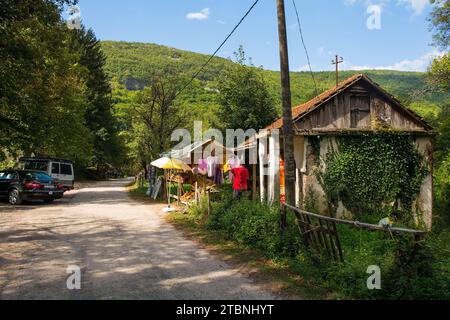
(439, 72)
(42, 91)
(244, 98)
(439, 75)
(99, 117)
(440, 23)
(158, 114)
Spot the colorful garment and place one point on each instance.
(202, 167)
(241, 175)
(218, 177)
(231, 164)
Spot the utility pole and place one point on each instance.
(337, 61)
(288, 131)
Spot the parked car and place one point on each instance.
(57, 168)
(20, 185)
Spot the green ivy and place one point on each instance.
(370, 172)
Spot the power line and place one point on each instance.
(217, 50)
(304, 46)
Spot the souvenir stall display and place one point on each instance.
(204, 175)
(171, 169)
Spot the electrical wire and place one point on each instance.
(304, 46)
(217, 50)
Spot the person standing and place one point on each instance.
(241, 176)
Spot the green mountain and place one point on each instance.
(131, 64)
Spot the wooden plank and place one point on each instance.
(323, 239)
(338, 242)
(347, 109)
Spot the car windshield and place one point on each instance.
(36, 165)
(37, 176)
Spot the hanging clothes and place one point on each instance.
(202, 167)
(232, 163)
(212, 162)
(241, 176)
(218, 177)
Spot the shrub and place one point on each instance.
(408, 271)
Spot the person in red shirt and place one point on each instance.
(241, 175)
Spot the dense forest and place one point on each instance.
(55, 97)
(131, 64)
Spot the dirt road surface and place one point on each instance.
(125, 250)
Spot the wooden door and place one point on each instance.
(360, 111)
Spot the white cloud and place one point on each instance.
(202, 15)
(417, 6)
(419, 64)
(350, 2)
(221, 22)
(321, 50)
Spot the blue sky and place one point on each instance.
(330, 27)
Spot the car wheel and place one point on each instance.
(14, 197)
(49, 201)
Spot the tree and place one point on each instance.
(439, 75)
(42, 90)
(107, 147)
(244, 98)
(440, 23)
(157, 115)
(439, 72)
(55, 97)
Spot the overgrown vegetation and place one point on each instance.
(55, 98)
(408, 270)
(373, 175)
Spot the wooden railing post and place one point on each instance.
(209, 202)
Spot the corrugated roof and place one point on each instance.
(303, 108)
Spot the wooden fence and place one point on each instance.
(320, 234)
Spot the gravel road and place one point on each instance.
(125, 250)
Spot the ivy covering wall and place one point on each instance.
(372, 174)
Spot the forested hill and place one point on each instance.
(132, 63)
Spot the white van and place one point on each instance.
(57, 168)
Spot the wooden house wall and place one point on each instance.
(358, 108)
